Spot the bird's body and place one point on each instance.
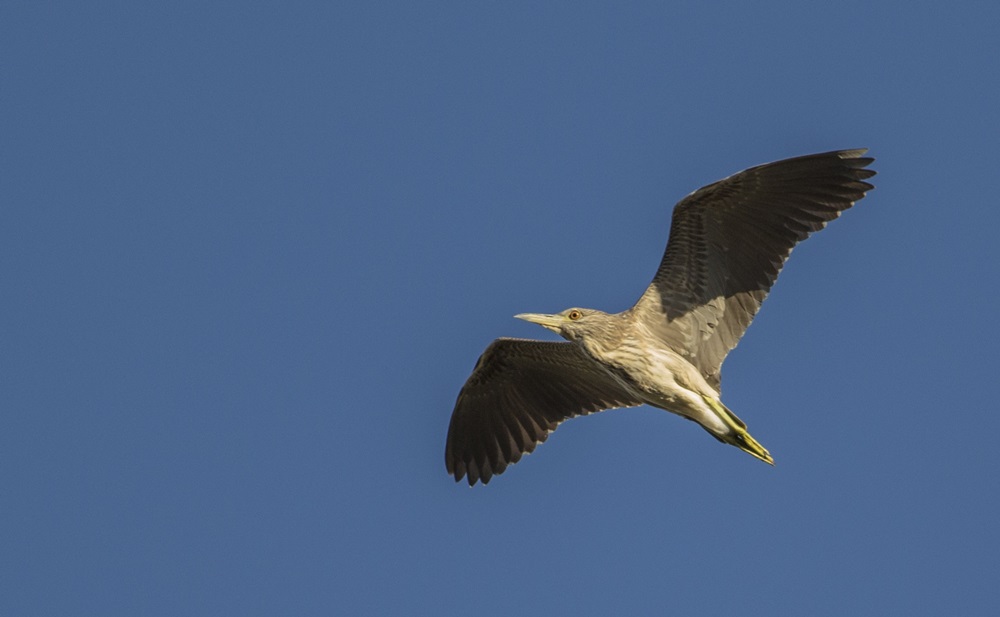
(728, 241)
(653, 374)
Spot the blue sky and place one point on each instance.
(250, 253)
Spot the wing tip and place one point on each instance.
(854, 153)
(473, 470)
(858, 161)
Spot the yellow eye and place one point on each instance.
(574, 315)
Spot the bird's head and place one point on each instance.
(574, 324)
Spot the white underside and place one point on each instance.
(674, 384)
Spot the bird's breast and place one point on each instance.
(656, 374)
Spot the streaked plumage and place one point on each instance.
(727, 244)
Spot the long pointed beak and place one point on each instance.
(552, 322)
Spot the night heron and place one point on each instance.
(728, 241)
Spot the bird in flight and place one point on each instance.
(728, 242)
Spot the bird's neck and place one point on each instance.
(602, 346)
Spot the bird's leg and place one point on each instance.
(738, 435)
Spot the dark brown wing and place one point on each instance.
(519, 392)
(728, 242)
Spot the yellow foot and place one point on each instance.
(748, 444)
(738, 436)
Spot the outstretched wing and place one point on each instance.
(728, 242)
(519, 392)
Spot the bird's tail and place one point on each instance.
(738, 435)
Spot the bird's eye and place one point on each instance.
(574, 315)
